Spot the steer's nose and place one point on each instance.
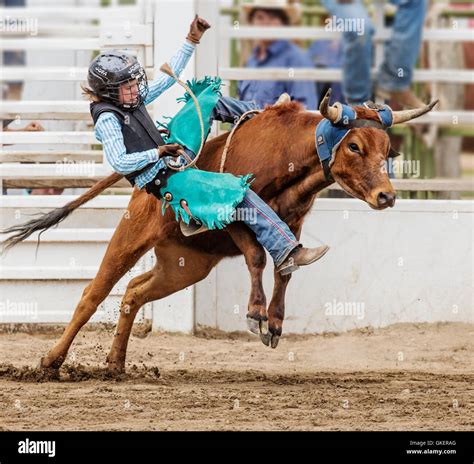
(385, 199)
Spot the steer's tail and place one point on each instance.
(47, 220)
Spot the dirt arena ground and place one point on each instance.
(404, 377)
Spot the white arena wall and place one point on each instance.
(412, 263)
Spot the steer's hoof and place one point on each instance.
(45, 364)
(256, 326)
(266, 338)
(115, 368)
(253, 325)
(270, 339)
(46, 373)
(114, 372)
(274, 341)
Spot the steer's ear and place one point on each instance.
(392, 153)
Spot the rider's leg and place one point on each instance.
(227, 109)
(230, 109)
(274, 235)
(271, 232)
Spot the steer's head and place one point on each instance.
(356, 146)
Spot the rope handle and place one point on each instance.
(229, 137)
(166, 68)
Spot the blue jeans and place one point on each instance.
(400, 54)
(230, 109)
(271, 232)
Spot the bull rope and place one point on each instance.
(229, 137)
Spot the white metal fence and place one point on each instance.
(134, 27)
(75, 28)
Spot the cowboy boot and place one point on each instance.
(301, 257)
(404, 98)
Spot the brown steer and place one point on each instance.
(278, 147)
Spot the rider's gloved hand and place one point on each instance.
(171, 149)
(197, 29)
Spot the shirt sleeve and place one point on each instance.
(303, 91)
(177, 62)
(108, 131)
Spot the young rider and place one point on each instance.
(119, 91)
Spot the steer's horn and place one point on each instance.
(329, 112)
(407, 115)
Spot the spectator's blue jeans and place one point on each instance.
(271, 232)
(401, 51)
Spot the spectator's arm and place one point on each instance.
(303, 91)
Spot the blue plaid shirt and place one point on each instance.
(280, 54)
(108, 129)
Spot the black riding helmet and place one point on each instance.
(110, 70)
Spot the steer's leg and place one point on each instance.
(255, 259)
(276, 308)
(131, 240)
(177, 267)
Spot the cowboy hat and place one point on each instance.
(291, 8)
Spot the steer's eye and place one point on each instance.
(354, 147)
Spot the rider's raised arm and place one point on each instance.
(178, 62)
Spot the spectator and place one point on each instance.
(276, 54)
(327, 54)
(401, 52)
